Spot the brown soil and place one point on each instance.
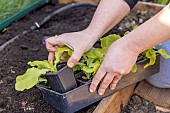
(26, 22)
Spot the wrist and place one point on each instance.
(130, 45)
(93, 34)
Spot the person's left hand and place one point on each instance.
(118, 61)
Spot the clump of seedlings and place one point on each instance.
(164, 2)
(89, 63)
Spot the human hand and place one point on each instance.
(80, 42)
(118, 61)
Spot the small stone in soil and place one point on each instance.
(140, 111)
(127, 25)
(12, 71)
(1, 82)
(131, 108)
(144, 108)
(140, 21)
(1, 110)
(35, 49)
(136, 99)
(24, 47)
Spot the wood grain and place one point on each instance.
(159, 96)
(114, 103)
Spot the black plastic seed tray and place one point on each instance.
(80, 97)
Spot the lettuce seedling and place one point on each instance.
(164, 2)
(89, 64)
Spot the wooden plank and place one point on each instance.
(152, 7)
(114, 103)
(163, 109)
(159, 96)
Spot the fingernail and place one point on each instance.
(70, 64)
(91, 90)
(100, 93)
(112, 88)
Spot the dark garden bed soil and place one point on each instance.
(29, 47)
(138, 104)
(25, 23)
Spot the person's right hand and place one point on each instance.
(79, 42)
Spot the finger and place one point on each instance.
(51, 57)
(56, 41)
(52, 42)
(64, 55)
(54, 49)
(97, 78)
(74, 58)
(50, 47)
(115, 81)
(105, 83)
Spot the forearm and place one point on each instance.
(107, 15)
(151, 33)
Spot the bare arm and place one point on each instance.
(151, 33)
(107, 15)
(122, 55)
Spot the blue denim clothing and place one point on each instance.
(162, 79)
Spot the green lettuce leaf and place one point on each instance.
(91, 69)
(134, 27)
(163, 53)
(29, 79)
(42, 80)
(108, 40)
(126, 33)
(43, 65)
(164, 2)
(134, 69)
(151, 55)
(97, 54)
(78, 66)
(59, 52)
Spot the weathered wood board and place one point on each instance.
(114, 103)
(159, 96)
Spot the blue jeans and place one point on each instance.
(162, 79)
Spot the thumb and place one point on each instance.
(74, 58)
